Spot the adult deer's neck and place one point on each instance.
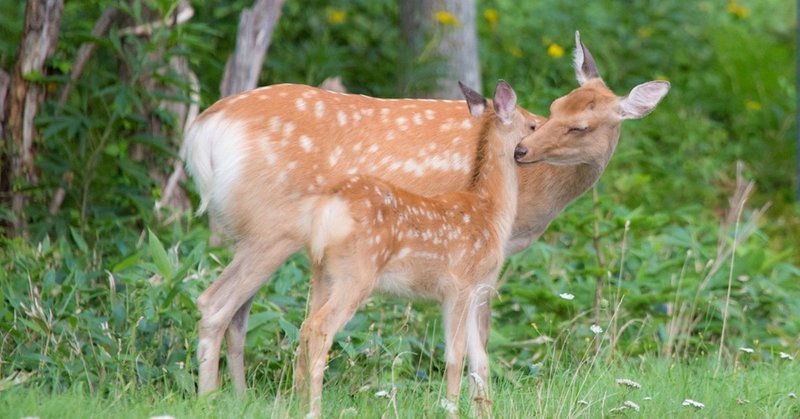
(494, 179)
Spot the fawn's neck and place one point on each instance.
(494, 180)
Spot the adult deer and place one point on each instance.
(367, 234)
(257, 156)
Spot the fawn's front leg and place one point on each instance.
(350, 284)
(478, 322)
(319, 295)
(455, 323)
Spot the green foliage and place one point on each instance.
(754, 388)
(101, 296)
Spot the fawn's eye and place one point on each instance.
(532, 127)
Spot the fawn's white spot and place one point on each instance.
(341, 117)
(402, 123)
(288, 129)
(319, 109)
(306, 143)
(300, 104)
(275, 124)
(334, 157)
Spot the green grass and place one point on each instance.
(751, 389)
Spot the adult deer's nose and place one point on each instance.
(520, 152)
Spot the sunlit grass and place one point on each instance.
(763, 389)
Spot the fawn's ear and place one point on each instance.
(475, 101)
(505, 101)
(585, 67)
(643, 99)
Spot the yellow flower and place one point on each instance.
(491, 16)
(737, 9)
(336, 16)
(645, 32)
(446, 18)
(752, 105)
(515, 51)
(555, 50)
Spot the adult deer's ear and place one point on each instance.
(475, 101)
(643, 99)
(585, 67)
(505, 101)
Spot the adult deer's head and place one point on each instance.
(584, 126)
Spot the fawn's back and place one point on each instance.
(428, 246)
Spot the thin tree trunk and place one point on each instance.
(5, 82)
(42, 21)
(450, 25)
(252, 41)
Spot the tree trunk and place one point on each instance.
(450, 25)
(252, 41)
(42, 21)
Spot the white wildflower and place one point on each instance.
(792, 395)
(648, 398)
(478, 380)
(746, 349)
(742, 401)
(629, 383)
(350, 411)
(596, 329)
(617, 409)
(693, 403)
(631, 405)
(583, 402)
(382, 393)
(784, 355)
(448, 406)
(566, 296)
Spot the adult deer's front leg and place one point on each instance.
(236, 335)
(251, 267)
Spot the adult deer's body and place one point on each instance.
(258, 157)
(370, 235)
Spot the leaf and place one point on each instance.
(159, 256)
(292, 332)
(127, 262)
(79, 241)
